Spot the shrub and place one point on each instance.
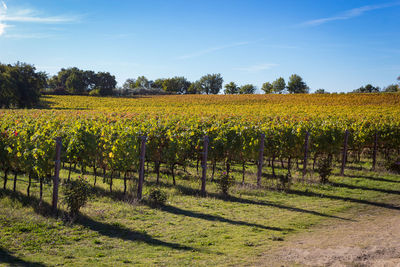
(95, 92)
(157, 197)
(225, 182)
(285, 181)
(324, 169)
(393, 165)
(76, 193)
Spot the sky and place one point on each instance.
(337, 45)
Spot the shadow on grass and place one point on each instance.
(47, 103)
(7, 258)
(116, 195)
(196, 192)
(121, 232)
(105, 229)
(373, 178)
(208, 217)
(360, 201)
(387, 191)
(119, 196)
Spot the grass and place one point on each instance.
(189, 229)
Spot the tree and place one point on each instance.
(75, 83)
(177, 85)
(296, 85)
(392, 88)
(267, 88)
(247, 89)
(195, 88)
(129, 84)
(367, 89)
(105, 83)
(231, 88)
(279, 85)
(20, 85)
(211, 83)
(321, 91)
(157, 84)
(142, 82)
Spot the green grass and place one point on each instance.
(189, 229)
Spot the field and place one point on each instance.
(101, 142)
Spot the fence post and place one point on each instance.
(306, 147)
(141, 166)
(260, 159)
(375, 151)
(344, 156)
(56, 179)
(204, 166)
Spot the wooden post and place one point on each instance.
(204, 166)
(260, 159)
(344, 156)
(141, 166)
(306, 147)
(56, 179)
(375, 151)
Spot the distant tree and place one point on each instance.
(177, 85)
(211, 83)
(90, 79)
(57, 82)
(321, 91)
(75, 83)
(142, 82)
(247, 89)
(105, 83)
(392, 88)
(129, 84)
(195, 88)
(20, 85)
(231, 88)
(367, 89)
(267, 88)
(279, 85)
(157, 84)
(296, 85)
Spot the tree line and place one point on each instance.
(21, 85)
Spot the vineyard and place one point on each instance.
(266, 142)
(104, 133)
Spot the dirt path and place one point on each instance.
(371, 238)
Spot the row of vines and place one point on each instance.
(110, 142)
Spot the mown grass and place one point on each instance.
(189, 229)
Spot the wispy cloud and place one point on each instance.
(348, 14)
(36, 19)
(211, 50)
(29, 36)
(3, 11)
(8, 15)
(257, 67)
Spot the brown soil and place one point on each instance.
(370, 238)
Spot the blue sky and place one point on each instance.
(338, 45)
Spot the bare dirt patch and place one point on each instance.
(370, 238)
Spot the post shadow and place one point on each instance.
(195, 192)
(7, 258)
(387, 191)
(120, 232)
(360, 201)
(209, 217)
(378, 179)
